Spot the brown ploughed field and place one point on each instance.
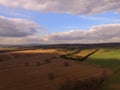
(42, 70)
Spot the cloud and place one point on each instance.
(105, 19)
(16, 27)
(65, 6)
(21, 40)
(96, 34)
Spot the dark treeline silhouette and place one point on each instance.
(80, 46)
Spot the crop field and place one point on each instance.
(43, 69)
(107, 53)
(106, 58)
(85, 52)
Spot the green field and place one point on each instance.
(109, 58)
(104, 57)
(107, 53)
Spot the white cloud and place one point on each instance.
(16, 27)
(96, 34)
(104, 19)
(21, 40)
(65, 6)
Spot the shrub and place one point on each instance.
(47, 60)
(66, 64)
(38, 63)
(26, 64)
(51, 76)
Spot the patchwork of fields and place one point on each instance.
(106, 58)
(44, 69)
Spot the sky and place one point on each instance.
(59, 21)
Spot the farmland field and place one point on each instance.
(106, 58)
(107, 53)
(44, 69)
(109, 58)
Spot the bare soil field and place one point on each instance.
(42, 70)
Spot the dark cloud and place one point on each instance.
(15, 27)
(96, 34)
(66, 6)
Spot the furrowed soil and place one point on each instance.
(19, 70)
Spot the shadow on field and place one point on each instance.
(113, 64)
(90, 84)
(110, 63)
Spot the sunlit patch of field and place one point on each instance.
(84, 52)
(37, 51)
(106, 57)
(5, 49)
(2, 48)
(107, 53)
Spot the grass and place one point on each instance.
(105, 57)
(108, 58)
(107, 53)
(111, 63)
(115, 79)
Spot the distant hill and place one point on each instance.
(81, 46)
